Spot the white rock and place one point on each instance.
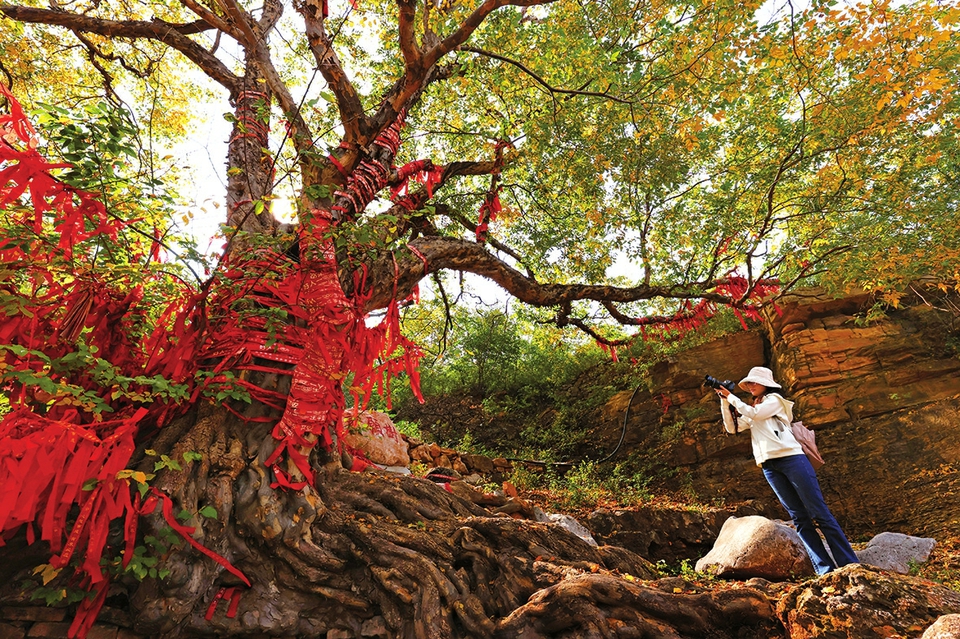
(895, 551)
(755, 546)
(399, 470)
(946, 627)
(566, 521)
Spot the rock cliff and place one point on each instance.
(883, 397)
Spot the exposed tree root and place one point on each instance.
(385, 555)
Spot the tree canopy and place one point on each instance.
(693, 140)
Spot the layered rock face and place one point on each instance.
(882, 396)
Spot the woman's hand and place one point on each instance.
(723, 392)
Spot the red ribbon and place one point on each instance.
(186, 532)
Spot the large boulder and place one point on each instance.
(946, 627)
(375, 435)
(895, 551)
(757, 547)
(860, 602)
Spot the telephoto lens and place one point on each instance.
(713, 382)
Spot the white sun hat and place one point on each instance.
(760, 375)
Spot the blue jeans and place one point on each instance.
(795, 483)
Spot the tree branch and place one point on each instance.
(167, 32)
(301, 133)
(420, 75)
(540, 80)
(242, 20)
(473, 21)
(461, 255)
(408, 44)
(348, 101)
(212, 19)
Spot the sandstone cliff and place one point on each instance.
(883, 397)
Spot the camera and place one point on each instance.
(713, 382)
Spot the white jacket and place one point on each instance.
(771, 437)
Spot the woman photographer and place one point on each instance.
(789, 473)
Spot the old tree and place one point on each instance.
(729, 150)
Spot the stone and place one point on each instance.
(896, 551)
(755, 546)
(9, 631)
(859, 601)
(422, 454)
(49, 629)
(376, 437)
(102, 631)
(946, 627)
(478, 463)
(397, 470)
(565, 521)
(666, 533)
(33, 613)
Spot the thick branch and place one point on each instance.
(211, 18)
(255, 42)
(461, 255)
(166, 32)
(408, 44)
(473, 21)
(242, 20)
(348, 102)
(272, 10)
(420, 75)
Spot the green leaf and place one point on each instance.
(209, 512)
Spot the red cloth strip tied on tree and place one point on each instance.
(60, 460)
(736, 287)
(491, 202)
(488, 213)
(371, 176)
(690, 317)
(421, 171)
(337, 344)
(76, 215)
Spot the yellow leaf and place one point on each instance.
(48, 573)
